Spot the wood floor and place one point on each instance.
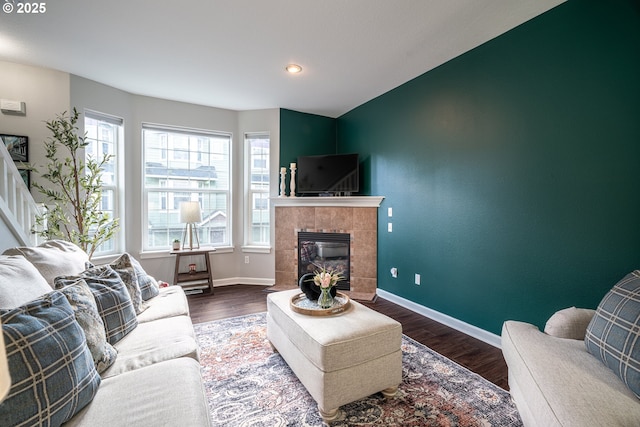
(475, 355)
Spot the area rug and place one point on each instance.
(250, 385)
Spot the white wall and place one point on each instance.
(48, 93)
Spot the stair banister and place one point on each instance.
(18, 208)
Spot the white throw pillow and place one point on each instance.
(569, 323)
(53, 258)
(20, 283)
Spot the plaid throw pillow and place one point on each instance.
(112, 298)
(124, 267)
(52, 372)
(613, 335)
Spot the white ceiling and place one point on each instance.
(231, 54)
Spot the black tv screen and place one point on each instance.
(333, 174)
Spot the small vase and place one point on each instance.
(325, 300)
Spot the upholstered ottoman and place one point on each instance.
(339, 358)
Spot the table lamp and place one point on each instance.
(5, 379)
(190, 214)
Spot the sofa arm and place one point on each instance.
(569, 323)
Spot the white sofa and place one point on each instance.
(555, 381)
(155, 379)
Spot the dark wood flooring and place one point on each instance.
(475, 355)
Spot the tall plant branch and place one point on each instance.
(74, 191)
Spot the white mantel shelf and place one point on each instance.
(346, 201)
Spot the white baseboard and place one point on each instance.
(243, 281)
(474, 331)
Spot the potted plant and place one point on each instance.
(73, 193)
(176, 244)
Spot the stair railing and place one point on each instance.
(18, 208)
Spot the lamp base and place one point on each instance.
(188, 237)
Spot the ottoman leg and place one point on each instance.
(389, 392)
(328, 415)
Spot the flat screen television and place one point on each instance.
(332, 174)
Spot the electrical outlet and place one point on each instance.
(417, 279)
(246, 259)
(389, 212)
(390, 227)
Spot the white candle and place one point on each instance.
(293, 165)
(283, 170)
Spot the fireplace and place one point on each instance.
(331, 251)
(355, 216)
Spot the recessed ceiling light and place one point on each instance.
(293, 68)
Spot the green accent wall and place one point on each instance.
(303, 134)
(512, 170)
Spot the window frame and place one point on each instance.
(118, 175)
(170, 191)
(249, 242)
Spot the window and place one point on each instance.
(186, 165)
(257, 166)
(105, 135)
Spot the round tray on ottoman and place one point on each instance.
(301, 304)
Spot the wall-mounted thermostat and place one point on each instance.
(9, 106)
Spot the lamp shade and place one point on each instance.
(5, 379)
(190, 212)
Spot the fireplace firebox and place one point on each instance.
(331, 251)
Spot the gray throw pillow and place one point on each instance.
(148, 284)
(613, 335)
(84, 306)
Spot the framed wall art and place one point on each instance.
(17, 146)
(26, 176)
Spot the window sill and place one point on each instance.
(257, 249)
(165, 253)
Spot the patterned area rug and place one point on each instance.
(248, 384)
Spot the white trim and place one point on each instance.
(474, 331)
(165, 253)
(256, 249)
(243, 281)
(347, 201)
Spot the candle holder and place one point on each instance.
(283, 174)
(292, 184)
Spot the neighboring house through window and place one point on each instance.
(105, 136)
(185, 165)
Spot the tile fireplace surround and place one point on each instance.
(357, 215)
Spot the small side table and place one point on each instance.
(194, 281)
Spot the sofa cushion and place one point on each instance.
(52, 372)
(112, 298)
(569, 323)
(148, 284)
(613, 335)
(53, 258)
(84, 306)
(171, 301)
(124, 267)
(556, 382)
(21, 282)
(153, 342)
(168, 394)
